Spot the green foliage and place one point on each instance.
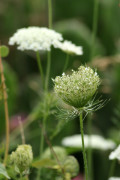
(3, 171)
(53, 166)
(45, 163)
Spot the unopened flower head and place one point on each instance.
(71, 166)
(22, 157)
(93, 141)
(115, 154)
(70, 48)
(59, 151)
(78, 88)
(35, 38)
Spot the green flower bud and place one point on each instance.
(78, 88)
(22, 158)
(71, 166)
(59, 151)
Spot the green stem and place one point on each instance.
(94, 27)
(42, 136)
(66, 63)
(50, 13)
(49, 53)
(40, 68)
(41, 144)
(48, 70)
(90, 163)
(46, 82)
(112, 168)
(21, 177)
(83, 147)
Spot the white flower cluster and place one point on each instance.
(41, 39)
(35, 38)
(78, 88)
(114, 178)
(115, 154)
(93, 141)
(70, 48)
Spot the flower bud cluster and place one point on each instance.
(78, 88)
(71, 166)
(22, 158)
(59, 151)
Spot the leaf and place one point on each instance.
(3, 171)
(46, 163)
(4, 51)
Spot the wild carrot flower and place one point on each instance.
(35, 38)
(93, 141)
(70, 48)
(115, 154)
(22, 158)
(78, 88)
(114, 178)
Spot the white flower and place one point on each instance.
(114, 178)
(35, 38)
(95, 141)
(70, 48)
(115, 154)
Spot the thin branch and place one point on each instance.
(52, 150)
(21, 130)
(6, 111)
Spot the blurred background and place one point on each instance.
(74, 20)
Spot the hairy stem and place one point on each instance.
(40, 68)
(66, 63)
(6, 111)
(94, 27)
(83, 147)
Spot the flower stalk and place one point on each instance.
(94, 27)
(50, 13)
(6, 112)
(48, 70)
(40, 67)
(66, 63)
(83, 147)
(90, 163)
(49, 52)
(112, 168)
